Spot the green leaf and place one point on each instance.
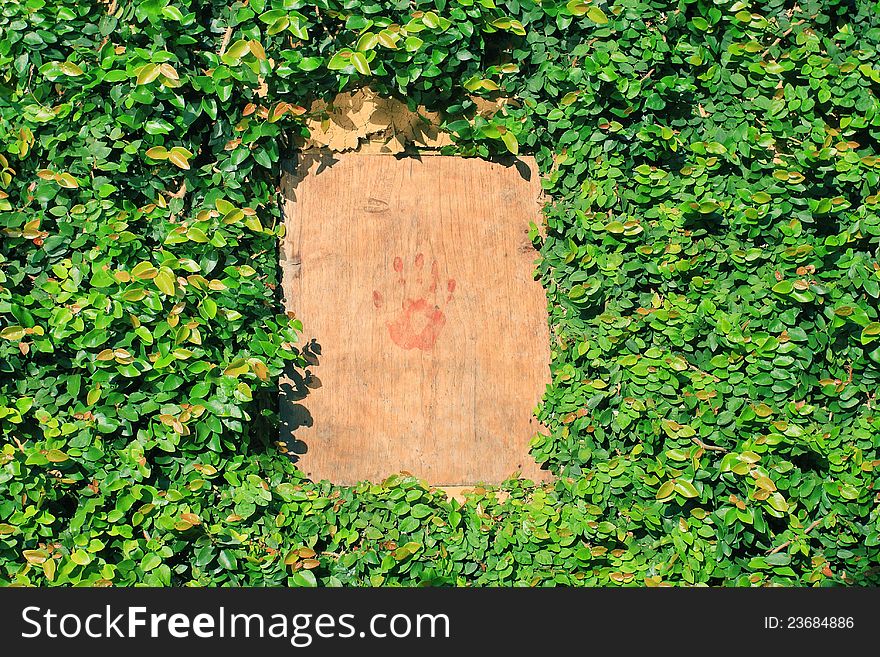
(367, 42)
(778, 559)
(412, 43)
(150, 562)
(279, 25)
(227, 560)
(509, 140)
(173, 13)
(144, 334)
(208, 308)
(81, 557)
(708, 207)
(777, 501)
(310, 63)
(304, 578)
(783, 287)
(849, 492)
(360, 63)
(340, 60)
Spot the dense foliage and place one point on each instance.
(710, 257)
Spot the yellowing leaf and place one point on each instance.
(144, 270)
(105, 355)
(196, 235)
(35, 556)
(871, 329)
(236, 368)
(179, 157)
(14, 333)
(238, 49)
(778, 502)
(259, 368)
(158, 153)
(578, 7)
(66, 180)
(49, 569)
(597, 15)
(848, 492)
(278, 111)
(254, 224)
(70, 69)
(56, 456)
(257, 49)
(686, 489)
(165, 281)
(388, 39)
(169, 71)
(93, 396)
(147, 73)
(749, 457)
(762, 410)
(367, 42)
(666, 490)
(766, 483)
(233, 217)
(223, 206)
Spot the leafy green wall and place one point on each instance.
(711, 261)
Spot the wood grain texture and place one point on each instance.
(426, 330)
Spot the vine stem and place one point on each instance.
(812, 526)
(226, 37)
(707, 447)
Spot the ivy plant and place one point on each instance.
(709, 251)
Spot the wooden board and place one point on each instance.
(426, 331)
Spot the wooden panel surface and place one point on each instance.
(426, 330)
